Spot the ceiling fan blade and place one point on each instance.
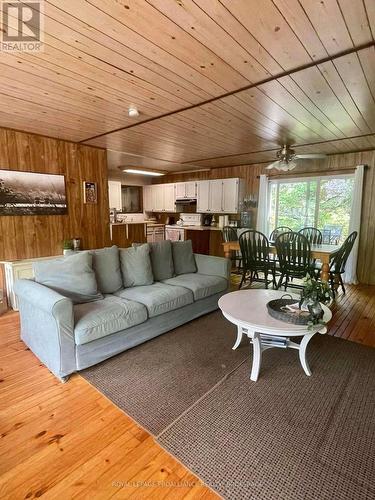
(310, 156)
(275, 164)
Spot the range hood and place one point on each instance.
(185, 201)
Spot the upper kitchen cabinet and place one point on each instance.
(169, 198)
(219, 196)
(232, 195)
(114, 194)
(203, 196)
(216, 196)
(147, 198)
(186, 190)
(159, 198)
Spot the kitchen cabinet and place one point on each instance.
(159, 198)
(180, 190)
(231, 194)
(203, 196)
(186, 190)
(219, 196)
(216, 196)
(169, 198)
(115, 195)
(155, 233)
(124, 235)
(147, 198)
(191, 189)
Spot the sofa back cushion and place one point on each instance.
(162, 260)
(106, 264)
(136, 266)
(71, 276)
(183, 257)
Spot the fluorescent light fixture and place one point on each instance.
(143, 172)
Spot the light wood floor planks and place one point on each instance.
(68, 441)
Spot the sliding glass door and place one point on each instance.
(322, 202)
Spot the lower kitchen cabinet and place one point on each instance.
(123, 235)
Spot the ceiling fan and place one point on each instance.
(287, 159)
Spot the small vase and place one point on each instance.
(316, 311)
(306, 304)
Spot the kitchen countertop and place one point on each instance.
(151, 224)
(195, 228)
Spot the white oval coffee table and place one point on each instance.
(247, 309)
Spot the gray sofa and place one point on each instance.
(68, 336)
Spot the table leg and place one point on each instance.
(227, 253)
(302, 352)
(325, 271)
(239, 337)
(257, 357)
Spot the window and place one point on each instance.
(131, 199)
(322, 202)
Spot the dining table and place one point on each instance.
(321, 252)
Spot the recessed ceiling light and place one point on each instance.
(143, 172)
(133, 112)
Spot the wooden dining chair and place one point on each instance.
(338, 262)
(230, 234)
(255, 251)
(294, 255)
(279, 230)
(313, 234)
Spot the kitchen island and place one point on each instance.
(205, 239)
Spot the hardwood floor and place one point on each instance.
(69, 441)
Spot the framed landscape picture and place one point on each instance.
(29, 193)
(90, 192)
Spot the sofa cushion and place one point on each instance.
(106, 264)
(136, 266)
(161, 260)
(95, 320)
(159, 298)
(183, 257)
(200, 284)
(71, 276)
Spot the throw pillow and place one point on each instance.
(136, 266)
(162, 260)
(106, 264)
(71, 276)
(183, 257)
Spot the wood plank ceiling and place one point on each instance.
(217, 82)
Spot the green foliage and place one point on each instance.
(296, 207)
(318, 291)
(67, 244)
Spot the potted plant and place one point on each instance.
(315, 293)
(67, 246)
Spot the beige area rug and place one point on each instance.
(157, 381)
(285, 437)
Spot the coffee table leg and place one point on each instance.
(302, 352)
(257, 357)
(239, 337)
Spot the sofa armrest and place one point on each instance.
(213, 266)
(47, 326)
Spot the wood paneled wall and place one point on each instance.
(330, 165)
(37, 236)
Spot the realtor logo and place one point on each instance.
(21, 26)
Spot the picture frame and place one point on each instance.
(32, 193)
(90, 193)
